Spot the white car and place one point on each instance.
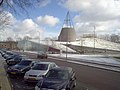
(38, 71)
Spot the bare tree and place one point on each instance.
(114, 38)
(9, 39)
(4, 20)
(27, 38)
(14, 5)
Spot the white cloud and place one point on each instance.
(47, 20)
(105, 27)
(28, 27)
(104, 14)
(7, 21)
(43, 3)
(20, 29)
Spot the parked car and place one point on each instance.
(60, 78)
(38, 71)
(14, 60)
(42, 55)
(11, 57)
(2, 54)
(21, 68)
(6, 54)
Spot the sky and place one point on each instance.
(47, 17)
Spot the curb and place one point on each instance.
(4, 81)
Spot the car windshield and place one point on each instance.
(13, 56)
(26, 63)
(40, 67)
(57, 74)
(17, 58)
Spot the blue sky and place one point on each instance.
(48, 17)
(52, 9)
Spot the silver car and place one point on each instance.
(38, 71)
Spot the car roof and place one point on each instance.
(27, 60)
(45, 62)
(63, 68)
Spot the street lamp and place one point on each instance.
(94, 38)
(38, 41)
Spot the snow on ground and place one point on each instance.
(99, 43)
(98, 61)
(90, 58)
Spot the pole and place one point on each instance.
(38, 41)
(66, 49)
(94, 38)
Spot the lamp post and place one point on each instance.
(94, 38)
(66, 49)
(82, 46)
(38, 41)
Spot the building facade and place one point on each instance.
(10, 45)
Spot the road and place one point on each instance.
(96, 78)
(93, 78)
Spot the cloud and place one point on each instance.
(103, 13)
(103, 27)
(20, 29)
(7, 21)
(28, 28)
(43, 3)
(48, 20)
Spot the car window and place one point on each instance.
(58, 74)
(51, 66)
(54, 65)
(25, 63)
(17, 58)
(32, 64)
(40, 67)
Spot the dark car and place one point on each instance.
(21, 68)
(14, 60)
(6, 54)
(10, 57)
(42, 55)
(59, 78)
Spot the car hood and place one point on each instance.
(18, 67)
(53, 83)
(37, 72)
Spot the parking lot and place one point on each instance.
(88, 78)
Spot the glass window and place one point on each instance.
(58, 74)
(40, 67)
(25, 63)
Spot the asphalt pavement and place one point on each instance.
(88, 78)
(96, 78)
